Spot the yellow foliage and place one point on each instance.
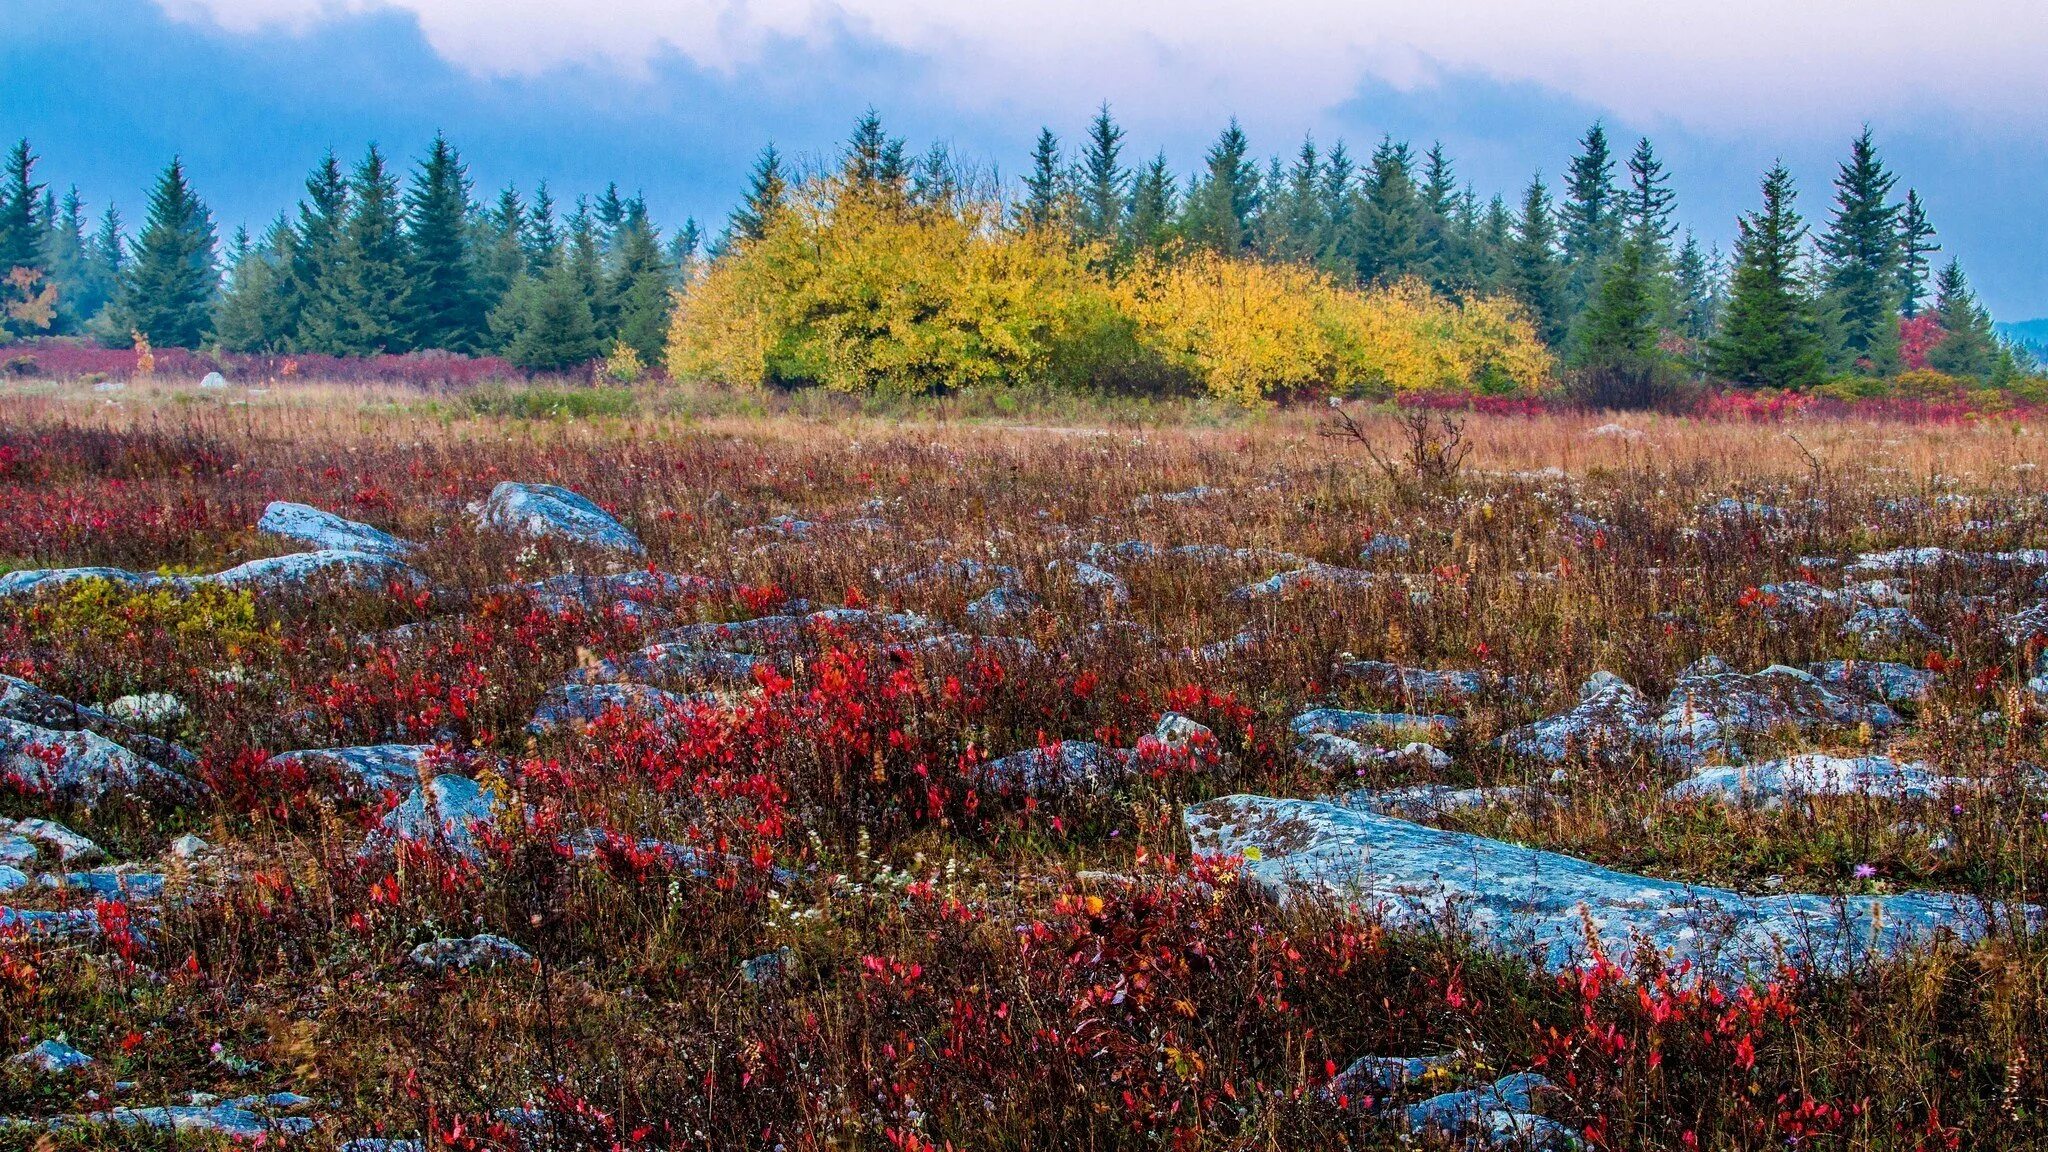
(1244, 329)
(31, 304)
(224, 619)
(868, 293)
(624, 363)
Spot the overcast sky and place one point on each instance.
(674, 96)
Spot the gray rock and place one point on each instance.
(1892, 683)
(16, 850)
(575, 705)
(1002, 604)
(24, 702)
(1432, 801)
(1098, 582)
(483, 951)
(12, 879)
(327, 532)
(1812, 774)
(1887, 626)
(333, 567)
(151, 708)
(1381, 1074)
(1350, 725)
(54, 1057)
(365, 769)
(243, 1118)
(1523, 901)
(79, 765)
(213, 380)
(1177, 731)
(69, 847)
(189, 847)
(1302, 579)
(1421, 685)
(44, 579)
(675, 662)
(68, 924)
(1383, 545)
(443, 813)
(1334, 753)
(128, 886)
(1714, 709)
(1611, 719)
(1497, 1116)
(1070, 764)
(768, 968)
(548, 511)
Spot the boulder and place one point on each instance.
(1101, 583)
(1068, 764)
(24, 702)
(1609, 721)
(1714, 709)
(69, 847)
(1496, 1116)
(364, 769)
(1771, 785)
(1333, 753)
(79, 765)
(443, 813)
(460, 954)
(1304, 578)
(333, 567)
(213, 380)
(550, 512)
(1421, 685)
(1524, 901)
(54, 1057)
(151, 708)
(1892, 683)
(327, 532)
(574, 705)
(1350, 725)
(45, 579)
(1002, 604)
(1888, 627)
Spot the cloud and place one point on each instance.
(1725, 63)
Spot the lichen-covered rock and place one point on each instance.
(24, 702)
(1892, 683)
(675, 663)
(243, 1118)
(1002, 604)
(1333, 753)
(44, 579)
(1431, 801)
(330, 568)
(368, 768)
(1524, 901)
(1349, 724)
(1101, 583)
(1714, 710)
(1887, 626)
(1068, 765)
(151, 708)
(1610, 720)
(80, 765)
(1177, 731)
(1813, 774)
(1496, 1116)
(551, 512)
(326, 531)
(53, 1057)
(1421, 685)
(1302, 579)
(627, 592)
(574, 705)
(1369, 1075)
(464, 953)
(68, 846)
(444, 813)
(123, 884)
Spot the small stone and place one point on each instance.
(149, 708)
(54, 1057)
(769, 968)
(189, 847)
(71, 848)
(482, 951)
(213, 380)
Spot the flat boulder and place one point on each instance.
(1610, 720)
(363, 769)
(462, 954)
(331, 567)
(79, 765)
(1714, 710)
(1351, 725)
(568, 706)
(1527, 902)
(25, 702)
(1067, 765)
(443, 813)
(31, 580)
(1772, 784)
(551, 512)
(1421, 685)
(326, 531)
(1889, 682)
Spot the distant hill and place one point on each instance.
(2029, 336)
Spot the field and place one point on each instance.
(931, 872)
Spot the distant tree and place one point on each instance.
(1103, 181)
(1916, 244)
(767, 190)
(1295, 224)
(252, 315)
(642, 286)
(1647, 206)
(1389, 222)
(1767, 329)
(1861, 260)
(1045, 185)
(498, 248)
(609, 215)
(546, 323)
(1219, 208)
(1591, 213)
(443, 304)
(1696, 303)
(543, 235)
(935, 180)
(1536, 273)
(685, 258)
(584, 257)
(169, 289)
(1621, 322)
(1969, 346)
(362, 301)
(1442, 248)
(1149, 220)
(69, 266)
(106, 263)
(1492, 267)
(1339, 204)
(316, 256)
(874, 161)
(21, 225)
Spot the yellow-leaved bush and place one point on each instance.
(862, 291)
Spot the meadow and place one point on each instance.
(866, 792)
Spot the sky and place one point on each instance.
(673, 98)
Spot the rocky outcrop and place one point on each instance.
(545, 511)
(327, 532)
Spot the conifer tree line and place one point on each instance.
(373, 259)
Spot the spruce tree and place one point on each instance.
(1297, 226)
(1149, 220)
(106, 262)
(68, 264)
(443, 304)
(1104, 181)
(1219, 208)
(1492, 270)
(543, 235)
(1647, 205)
(1536, 272)
(361, 303)
(1861, 258)
(252, 315)
(874, 162)
(1969, 345)
(1044, 185)
(767, 190)
(169, 289)
(1389, 222)
(1621, 323)
(584, 258)
(642, 286)
(317, 254)
(500, 249)
(1916, 244)
(1695, 302)
(609, 215)
(1591, 215)
(684, 252)
(21, 224)
(1767, 334)
(546, 325)
(1339, 200)
(1442, 254)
